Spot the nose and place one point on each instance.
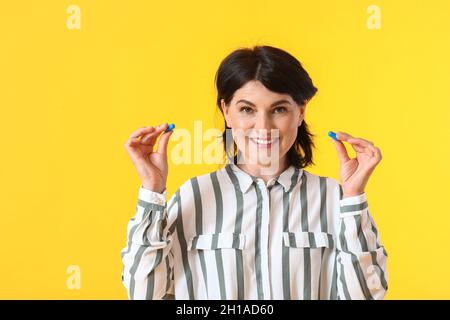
(263, 121)
(263, 125)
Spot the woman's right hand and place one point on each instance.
(152, 166)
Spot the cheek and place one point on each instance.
(239, 138)
(240, 122)
(240, 126)
(288, 134)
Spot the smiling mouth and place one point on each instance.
(264, 143)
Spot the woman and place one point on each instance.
(262, 227)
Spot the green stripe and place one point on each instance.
(376, 233)
(138, 256)
(344, 247)
(183, 248)
(360, 233)
(304, 203)
(374, 255)
(343, 243)
(172, 202)
(199, 228)
(344, 283)
(374, 230)
(130, 236)
(305, 228)
(342, 237)
(360, 274)
(285, 251)
(323, 204)
(292, 242)
(160, 225)
(342, 229)
(381, 275)
(258, 265)
(307, 274)
(312, 240)
(167, 273)
(320, 272)
(355, 263)
(145, 240)
(151, 276)
(330, 240)
(323, 221)
(137, 259)
(334, 291)
(219, 221)
(237, 229)
(172, 228)
(147, 210)
(354, 207)
(294, 179)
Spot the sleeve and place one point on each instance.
(361, 259)
(148, 259)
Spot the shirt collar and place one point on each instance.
(288, 178)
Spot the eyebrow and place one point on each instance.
(273, 104)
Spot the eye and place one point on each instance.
(279, 110)
(246, 109)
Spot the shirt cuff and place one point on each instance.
(152, 197)
(352, 206)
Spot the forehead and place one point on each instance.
(256, 92)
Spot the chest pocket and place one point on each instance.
(222, 240)
(308, 240)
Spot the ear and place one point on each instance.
(302, 114)
(225, 112)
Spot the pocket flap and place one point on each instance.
(308, 240)
(221, 240)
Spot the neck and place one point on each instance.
(256, 170)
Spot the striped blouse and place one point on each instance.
(229, 235)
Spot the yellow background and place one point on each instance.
(70, 98)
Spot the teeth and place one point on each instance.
(262, 141)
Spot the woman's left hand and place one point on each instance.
(355, 173)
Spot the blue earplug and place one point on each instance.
(332, 135)
(170, 127)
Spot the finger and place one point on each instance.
(360, 141)
(343, 136)
(132, 150)
(362, 146)
(150, 138)
(163, 142)
(342, 151)
(141, 131)
(131, 143)
(146, 137)
(358, 148)
(369, 151)
(376, 154)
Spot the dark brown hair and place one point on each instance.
(279, 72)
